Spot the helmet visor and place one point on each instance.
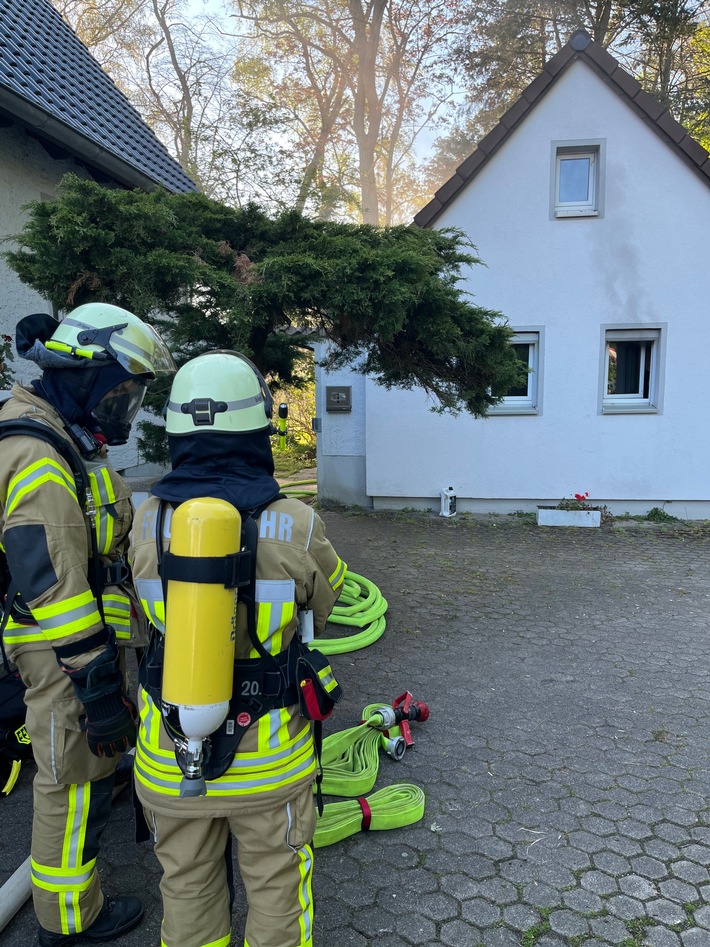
(117, 410)
(141, 351)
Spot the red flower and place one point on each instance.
(7, 338)
(581, 496)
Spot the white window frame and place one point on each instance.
(593, 206)
(531, 402)
(634, 402)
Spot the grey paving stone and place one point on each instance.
(695, 937)
(460, 934)
(677, 890)
(541, 895)
(481, 913)
(374, 922)
(416, 929)
(497, 890)
(521, 917)
(649, 867)
(500, 937)
(586, 902)
(660, 937)
(702, 917)
(625, 907)
(568, 924)
(609, 929)
(599, 882)
(437, 907)
(611, 863)
(637, 887)
(690, 871)
(665, 912)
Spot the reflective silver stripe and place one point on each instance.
(231, 405)
(337, 576)
(310, 531)
(271, 596)
(275, 591)
(151, 589)
(70, 880)
(165, 758)
(223, 785)
(306, 855)
(326, 677)
(82, 796)
(73, 614)
(118, 608)
(150, 592)
(103, 491)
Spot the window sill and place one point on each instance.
(630, 409)
(502, 409)
(576, 213)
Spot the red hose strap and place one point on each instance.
(366, 813)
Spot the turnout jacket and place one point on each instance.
(45, 536)
(295, 566)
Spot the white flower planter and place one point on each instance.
(552, 517)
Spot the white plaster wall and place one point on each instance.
(644, 261)
(28, 173)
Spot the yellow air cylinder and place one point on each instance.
(199, 625)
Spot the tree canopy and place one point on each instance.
(217, 277)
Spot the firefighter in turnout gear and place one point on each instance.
(259, 765)
(65, 518)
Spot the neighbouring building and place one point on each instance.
(60, 112)
(590, 206)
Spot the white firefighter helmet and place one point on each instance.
(218, 391)
(102, 332)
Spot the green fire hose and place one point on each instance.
(350, 761)
(390, 808)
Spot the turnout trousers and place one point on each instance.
(275, 860)
(72, 797)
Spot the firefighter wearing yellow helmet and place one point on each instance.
(65, 516)
(253, 773)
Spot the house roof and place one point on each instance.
(580, 47)
(50, 83)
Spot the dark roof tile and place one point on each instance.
(471, 164)
(447, 191)
(695, 152)
(651, 106)
(48, 76)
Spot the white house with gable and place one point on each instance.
(590, 207)
(60, 112)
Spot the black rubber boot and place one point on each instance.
(117, 916)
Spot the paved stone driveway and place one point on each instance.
(565, 761)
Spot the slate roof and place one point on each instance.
(580, 47)
(50, 83)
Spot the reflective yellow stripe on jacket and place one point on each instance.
(117, 611)
(72, 615)
(279, 761)
(338, 576)
(150, 592)
(30, 478)
(104, 496)
(56, 621)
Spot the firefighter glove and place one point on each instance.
(110, 722)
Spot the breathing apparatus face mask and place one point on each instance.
(117, 410)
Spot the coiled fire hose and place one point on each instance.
(362, 605)
(350, 760)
